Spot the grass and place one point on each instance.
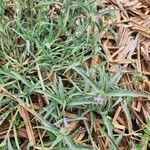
(45, 50)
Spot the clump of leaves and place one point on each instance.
(18, 123)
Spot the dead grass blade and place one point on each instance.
(25, 115)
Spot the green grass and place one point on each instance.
(34, 43)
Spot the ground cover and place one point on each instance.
(74, 74)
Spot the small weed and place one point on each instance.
(18, 123)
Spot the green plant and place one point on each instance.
(18, 123)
